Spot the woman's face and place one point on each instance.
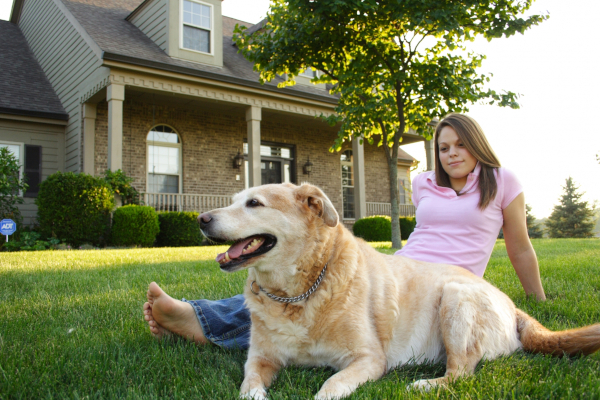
(455, 158)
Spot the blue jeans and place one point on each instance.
(226, 322)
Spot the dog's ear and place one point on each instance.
(318, 203)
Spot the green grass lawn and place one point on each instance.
(71, 327)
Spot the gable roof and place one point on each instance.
(25, 89)
(105, 22)
(404, 156)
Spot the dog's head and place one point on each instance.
(268, 225)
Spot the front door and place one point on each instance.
(276, 163)
(270, 172)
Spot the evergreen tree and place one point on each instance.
(533, 229)
(572, 218)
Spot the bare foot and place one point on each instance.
(166, 315)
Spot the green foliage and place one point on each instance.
(533, 229)
(394, 65)
(179, 229)
(10, 186)
(376, 228)
(31, 241)
(407, 226)
(134, 226)
(121, 185)
(572, 218)
(75, 207)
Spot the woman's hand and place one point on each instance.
(519, 248)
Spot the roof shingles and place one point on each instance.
(24, 88)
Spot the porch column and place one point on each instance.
(430, 154)
(253, 118)
(358, 167)
(115, 95)
(89, 137)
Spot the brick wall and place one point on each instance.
(210, 141)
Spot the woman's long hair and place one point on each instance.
(474, 140)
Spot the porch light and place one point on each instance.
(307, 168)
(238, 160)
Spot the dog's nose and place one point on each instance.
(204, 219)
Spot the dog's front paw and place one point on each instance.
(255, 394)
(421, 384)
(332, 392)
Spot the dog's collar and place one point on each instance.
(291, 299)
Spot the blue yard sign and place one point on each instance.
(7, 227)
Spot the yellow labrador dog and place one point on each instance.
(318, 296)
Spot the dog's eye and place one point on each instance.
(253, 203)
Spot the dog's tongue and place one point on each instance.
(235, 250)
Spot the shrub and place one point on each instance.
(134, 226)
(31, 241)
(75, 207)
(407, 226)
(121, 185)
(179, 229)
(377, 228)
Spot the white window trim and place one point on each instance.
(316, 73)
(164, 144)
(21, 158)
(212, 28)
(351, 165)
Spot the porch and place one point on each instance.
(203, 203)
(202, 146)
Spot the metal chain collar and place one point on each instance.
(292, 299)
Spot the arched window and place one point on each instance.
(347, 185)
(164, 160)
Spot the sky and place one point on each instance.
(553, 67)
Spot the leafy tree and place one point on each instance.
(393, 64)
(572, 218)
(533, 229)
(11, 185)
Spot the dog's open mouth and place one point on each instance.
(245, 249)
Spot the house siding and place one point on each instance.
(66, 59)
(210, 141)
(152, 20)
(50, 137)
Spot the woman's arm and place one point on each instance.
(519, 248)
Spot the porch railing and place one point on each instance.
(185, 202)
(406, 210)
(203, 203)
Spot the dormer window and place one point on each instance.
(305, 78)
(197, 26)
(309, 73)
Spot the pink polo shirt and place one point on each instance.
(451, 229)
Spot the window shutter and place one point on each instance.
(33, 169)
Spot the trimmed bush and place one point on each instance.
(377, 228)
(75, 208)
(407, 226)
(134, 226)
(179, 229)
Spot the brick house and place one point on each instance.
(158, 89)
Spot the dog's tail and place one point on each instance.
(537, 339)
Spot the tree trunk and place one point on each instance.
(393, 173)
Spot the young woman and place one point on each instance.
(461, 207)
